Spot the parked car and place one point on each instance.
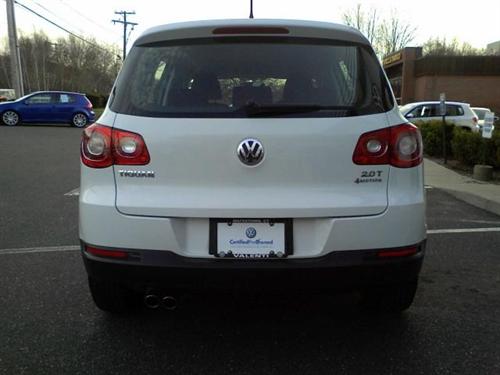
(459, 114)
(264, 153)
(48, 107)
(7, 94)
(480, 113)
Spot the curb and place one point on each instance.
(475, 200)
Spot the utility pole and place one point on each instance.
(125, 23)
(15, 57)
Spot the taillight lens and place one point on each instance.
(103, 147)
(105, 253)
(96, 146)
(399, 146)
(398, 253)
(475, 120)
(129, 148)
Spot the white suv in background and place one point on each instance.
(263, 154)
(459, 114)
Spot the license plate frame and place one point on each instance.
(213, 237)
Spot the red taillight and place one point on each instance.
(103, 147)
(116, 254)
(475, 120)
(399, 146)
(129, 148)
(398, 253)
(96, 147)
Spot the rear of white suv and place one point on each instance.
(258, 153)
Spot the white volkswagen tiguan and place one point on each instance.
(255, 154)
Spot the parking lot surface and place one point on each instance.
(49, 325)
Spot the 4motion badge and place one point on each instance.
(369, 176)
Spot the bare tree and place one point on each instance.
(386, 35)
(395, 34)
(366, 22)
(443, 47)
(69, 64)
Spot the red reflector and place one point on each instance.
(106, 253)
(250, 30)
(407, 251)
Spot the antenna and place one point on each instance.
(251, 8)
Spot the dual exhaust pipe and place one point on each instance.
(153, 301)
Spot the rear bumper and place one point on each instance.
(148, 269)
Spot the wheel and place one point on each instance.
(79, 120)
(10, 118)
(392, 298)
(112, 297)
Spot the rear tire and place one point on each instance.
(112, 297)
(392, 298)
(11, 118)
(79, 120)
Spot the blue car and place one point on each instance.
(48, 107)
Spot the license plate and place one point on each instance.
(251, 238)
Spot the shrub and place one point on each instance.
(466, 147)
(432, 137)
(496, 144)
(471, 148)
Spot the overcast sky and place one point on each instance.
(476, 22)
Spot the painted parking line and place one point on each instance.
(53, 249)
(463, 230)
(49, 249)
(74, 192)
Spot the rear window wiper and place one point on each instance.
(254, 109)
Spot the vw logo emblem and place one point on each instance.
(251, 232)
(250, 151)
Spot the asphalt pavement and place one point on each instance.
(49, 325)
(38, 164)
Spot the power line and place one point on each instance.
(65, 22)
(84, 16)
(59, 26)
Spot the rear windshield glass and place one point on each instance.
(245, 77)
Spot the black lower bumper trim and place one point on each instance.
(337, 270)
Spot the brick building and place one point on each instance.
(470, 79)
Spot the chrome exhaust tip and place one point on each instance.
(169, 303)
(152, 301)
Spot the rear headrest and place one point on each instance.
(248, 93)
(206, 86)
(297, 90)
